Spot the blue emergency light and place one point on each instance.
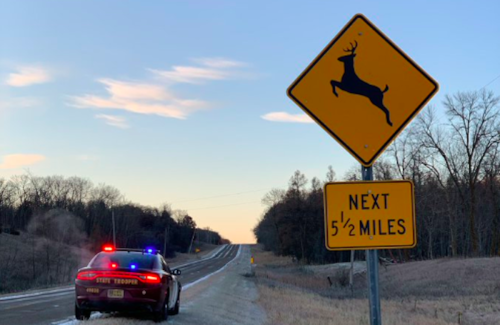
(150, 250)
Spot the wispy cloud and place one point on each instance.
(20, 160)
(287, 117)
(140, 98)
(135, 90)
(209, 69)
(117, 121)
(27, 76)
(156, 97)
(219, 63)
(191, 74)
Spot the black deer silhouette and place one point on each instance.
(353, 84)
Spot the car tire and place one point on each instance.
(162, 314)
(177, 306)
(81, 314)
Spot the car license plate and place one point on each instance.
(115, 293)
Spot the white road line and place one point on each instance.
(221, 254)
(37, 298)
(203, 259)
(27, 295)
(189, 285)
(227, 253)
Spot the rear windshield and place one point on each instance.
(130, 260)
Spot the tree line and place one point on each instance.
(452, 157)
(47, 206)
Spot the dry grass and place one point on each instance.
(292, 306)
(29, 262)
(419, 293)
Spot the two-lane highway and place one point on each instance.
(52, 306)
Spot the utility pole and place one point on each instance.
(165, 239)
(114, 231)
(192, 239)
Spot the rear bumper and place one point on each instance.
(109, 305)
(134, 299)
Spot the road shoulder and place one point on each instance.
(228, 297)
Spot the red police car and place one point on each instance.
(130, 280)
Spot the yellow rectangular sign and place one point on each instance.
(369, 215)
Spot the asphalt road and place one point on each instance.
(54, 306)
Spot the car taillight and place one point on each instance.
(150, 278)
(86, 275)
(153, 278)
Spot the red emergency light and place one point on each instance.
(108, 248)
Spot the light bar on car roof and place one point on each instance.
(147, 250)
(150, 250)
(108, 248)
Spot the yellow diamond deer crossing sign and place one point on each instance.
(362, 89)
(369, 215)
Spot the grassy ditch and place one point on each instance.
(29, 262)
(444, 291)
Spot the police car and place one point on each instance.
(122, 279)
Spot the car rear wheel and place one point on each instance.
(162, 314)
(81, 314)
(177, 306)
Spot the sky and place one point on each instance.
(184, 102)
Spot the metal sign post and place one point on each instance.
(372, 268)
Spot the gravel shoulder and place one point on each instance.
(228, 297)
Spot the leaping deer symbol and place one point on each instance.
(353, 84)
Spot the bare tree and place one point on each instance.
(330, 175)
(383, 170)
(352, 174)
(273, 197)
(473, 132)
(315, 184)
(405, 152)
(492, 174)
(107, 194)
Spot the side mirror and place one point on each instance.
(176, 272)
